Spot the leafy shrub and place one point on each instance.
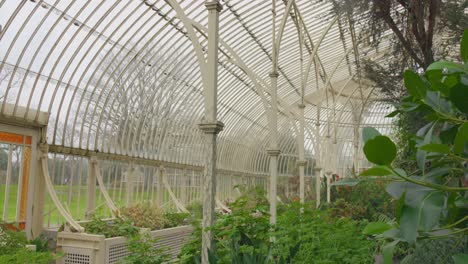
(302, 235)
(313, 236)
(436, 251)
(175, 219)
(13, 249)
(250, 200)
(113, 228)
(142, 251)
(365, 200)
(432, 200)
(196, 210)
(144, 215)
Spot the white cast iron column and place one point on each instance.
(211, 127)
(274, 149)
(301, 162)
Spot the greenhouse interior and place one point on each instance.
(234, 131)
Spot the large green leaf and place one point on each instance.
(436, 102)
(460, 258)
(420, 153)
(377, 171)
(388, 250)
(439, 148)
(369, 133)
(430, 210)
(461, 138)
(346, 182)
(380, 150)
(415, 84)
(448, 66)
(422, 211)
(409, 223)
(374, 228)
(464, 47)
(399, 206)
(459, 97)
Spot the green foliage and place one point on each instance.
(364, 201)
(142, 251)
(112, 228)
(175, 219)
(13, 249)
(436, 251)
(301, 235)
(144, 215)
(432, 199)
(251, 200)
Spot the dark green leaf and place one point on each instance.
(399, 206)
(459, 97)
(461, 202)
(377, 171)
(436, 102)
(439, 148)
(415, 84)
(430, 209)
(460, 258)
(388, 250)
(450, 67)
(346, 182)
(409, 223)
(393, 114)
(464, 49)
(369, 133)
(439, 171)
(375, 228)
(447, 136)
(380, 150)
(421, 154)
(461, 138)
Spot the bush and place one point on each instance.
(144, 216)
(302, 235)
(113, 228)
(13, 249)
(142, 251)
(366, 200)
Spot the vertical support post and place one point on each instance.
(318, 182)
(91, 183)
(7, 183)
(183, 188)
(274, 150)
(130, 186)
(210, 127)
(317, 168)
(159, 189)
(328, 175)
(301, 162)
(37, 221)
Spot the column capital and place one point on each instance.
(211, 127)
(43, 147)
(93, 159)
(273, 74)
(212, 5)
(301, 162)
(273, 152)
(317, 168)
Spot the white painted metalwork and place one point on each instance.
(123, 85)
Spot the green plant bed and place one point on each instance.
(301, 235)
(13, 249)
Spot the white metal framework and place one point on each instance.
(130, 95)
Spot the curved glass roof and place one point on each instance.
(122, 77)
